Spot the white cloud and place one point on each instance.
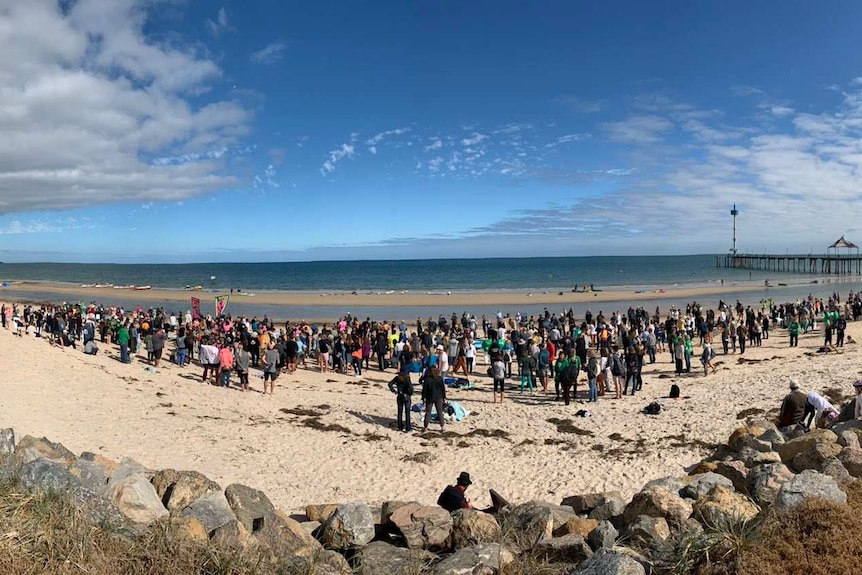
(781, 111)
(435, 145)
(638, 129)
(372, 149)
(269, 54)
(568, 138)
(89, 104)
(220, 24)
(375, 140)
(473, 140)
(581, 105)
(335, 156)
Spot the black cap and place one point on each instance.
(464, 479)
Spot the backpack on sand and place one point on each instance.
(674, 391)
(653, 408)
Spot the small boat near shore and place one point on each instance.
(103, 285)
(142, 288)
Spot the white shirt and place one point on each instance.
(820, 404)
(444, 361)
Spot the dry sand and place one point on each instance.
(170, 419)
(459, 300)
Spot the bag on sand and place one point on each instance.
(653, 408)
(674, 391)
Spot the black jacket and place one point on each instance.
(402, 387)
(433, 389)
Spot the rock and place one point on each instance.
(471, 527)
(815, 456)
(774, 437)
(232, 536)
(189, 529)
(750, 441)
(701, 485)
(285, 538)
(328, 562)
(311, 527)
(379, 558)
(609, 563)
(127, 467)
(604, 536)
(740, 434)
(836, 470)
(848, 438)
(576, 526)
(387, 509)
(610, 507)
(648, 532)
(794, 447)
(722, 504)
(659, 502)
(107, 464)
(211, 509)
(130, 491)
(851, 458)
(178, 489)
(250, 506)
(736, 471)
(807, 485)
(530, 523)
(702, 467)
(588, 502)
(350, 526)
(30, 448)
(765, 481)
(484, 559)
(91, 474)
(672, 484)
(566, 549)
(422, 527)
(320, 513)
(852, 425)
(560, 513)
(7, 441)
(752, 457)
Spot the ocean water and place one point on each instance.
(606, 272)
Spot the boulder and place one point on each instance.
(350, 526)
(722, 504)
(106, 463)
(311, 527)
(178, 489)
(484, 559)
(609, 508)
(815, 456)
(211, 509)
(471, 527)
(528, 524)
(321, 512)
(702, 484)
(736, 471)
(189, 529)
(702, 467)
(91, 474)
(851, 458)
(609, 563)
(741, 433)
(560, 513)
(233, 536)
(789, 450)
(576, 526)
(588, 502)
(250, 506)
(849, 438)
(604, 536)
(421, 526)
(30, 448)
(387, 509)
(379, 558)
(752, 457)
(836, 470)
(807, 485)
(774, 437)
(648, 532)
(7, 441)
(851, 425)
(127, 467)
(672, 484)
(566, 549)
(659, 502)
(765, 481)
(130, 491)
(285, 538)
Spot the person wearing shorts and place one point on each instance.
(498, 373)
(270, 370)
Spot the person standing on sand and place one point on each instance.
(793, 330)
(433, 395)
(158, 346)
(270, 369)
(498, 373)
(402, 387)
(241, 359)
(123, 340)
(592, 375)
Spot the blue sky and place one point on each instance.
(171, 130)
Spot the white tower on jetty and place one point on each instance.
(734, 212)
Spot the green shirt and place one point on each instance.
(123, 336)
(794, 328)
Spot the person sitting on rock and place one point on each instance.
(454, 497)
(794, 409)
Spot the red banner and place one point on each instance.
(220, 304)
(196, 308)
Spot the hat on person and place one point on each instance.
(794, 384)
(857, 383)
(464, 479)
(439, 348)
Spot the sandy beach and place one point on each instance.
(324, 438)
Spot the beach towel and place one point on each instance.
(457, 410)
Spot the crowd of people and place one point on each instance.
(546, 352)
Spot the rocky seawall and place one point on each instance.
(759, 470)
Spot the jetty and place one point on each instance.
(831, 263)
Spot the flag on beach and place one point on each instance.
(221, 304)
(196, 308)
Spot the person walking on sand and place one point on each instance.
(402, 387)
(706, 358)
(433, 395)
